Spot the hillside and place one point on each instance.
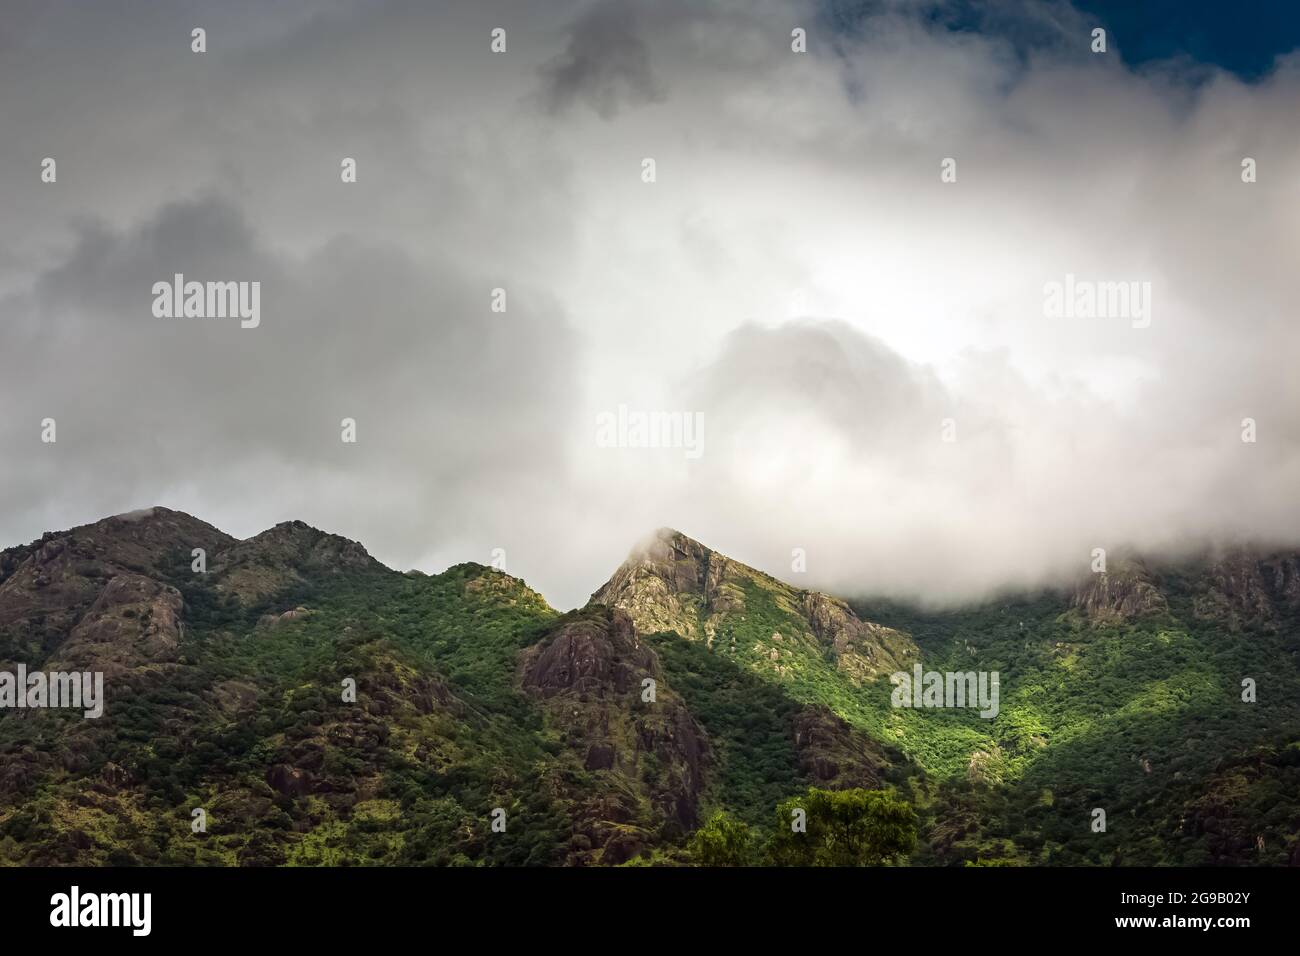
(690, 684)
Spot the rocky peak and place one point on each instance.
(671, 582)
(287, 554)
(95, 596)
(147, 539)
(298, 543)
(141, 541)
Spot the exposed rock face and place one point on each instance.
(674, 583)
(598, 657)
(287, 554)
(1282, 576)
(861, 649)
(134, 619)
(95, 598)
(588, 674)
(1235, 588)
(1125, 592)
(1241, 587)
(834, 755)
(99, 597)
(289, 780)
(92, 598)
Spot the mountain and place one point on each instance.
(308, 705)
(96, 597)
(672, 583)
(1238, 587)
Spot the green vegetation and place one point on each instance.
(844, 828)
(1143, 720)
(749, 722)
(723, 841)
(817, 828)
(247, 719)
(407, 777)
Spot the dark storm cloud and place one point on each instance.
(446, 395)
(606, 65)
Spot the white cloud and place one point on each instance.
(788, 186)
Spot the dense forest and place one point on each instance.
(296, 703)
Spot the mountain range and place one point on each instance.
(289, 700)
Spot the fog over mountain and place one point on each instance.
(797, 273)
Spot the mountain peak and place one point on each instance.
(285, 553)
(671, 582)
(666, 539)
(666, 582)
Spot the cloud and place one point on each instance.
(798, 274)
(606, 65)
(449, 401)
(894, 482)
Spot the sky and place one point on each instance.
(860, 327)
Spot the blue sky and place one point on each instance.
(1243, 36)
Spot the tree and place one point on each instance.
(843, 828)
(722, 841)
